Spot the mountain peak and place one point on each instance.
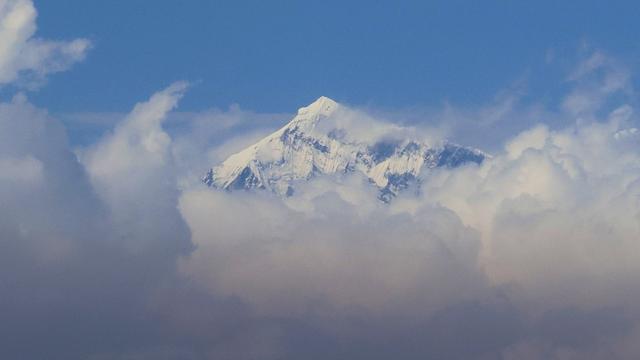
(322, 106)
(301, 150)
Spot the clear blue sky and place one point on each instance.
(274, 56)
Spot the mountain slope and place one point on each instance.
(317, 142)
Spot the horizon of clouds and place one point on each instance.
(114, 250)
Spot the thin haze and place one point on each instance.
(111, 247)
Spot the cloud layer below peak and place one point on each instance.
(115, 250)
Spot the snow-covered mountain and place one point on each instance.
(318, 142)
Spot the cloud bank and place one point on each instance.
(115, 250)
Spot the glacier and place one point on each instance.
(318, 141)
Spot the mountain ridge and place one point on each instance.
(317, 142)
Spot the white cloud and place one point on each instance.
(530, 139)
(533, 206)
(26, 169)
(26, 59)
(534, 254)
(557, 211)
(132, 169)
(550, 223)
(331, 254)
(138, 142)
(595, 79)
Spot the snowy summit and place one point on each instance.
(317, 142)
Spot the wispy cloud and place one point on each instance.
(25, 59)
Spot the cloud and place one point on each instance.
(132, 169)
(378, 262)
(27, 60)
(24, 170)
(536, 247)
(558, 212)
(138, 141)
(596, 78)
(118, 249)
(535, 250)
(84, 260)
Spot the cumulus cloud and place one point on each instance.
(26, 59)
(379, 262)
(558, 213)
(116, 251)
(133, 171)
(535, 250)
(25, 169)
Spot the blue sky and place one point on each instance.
(274, 56)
